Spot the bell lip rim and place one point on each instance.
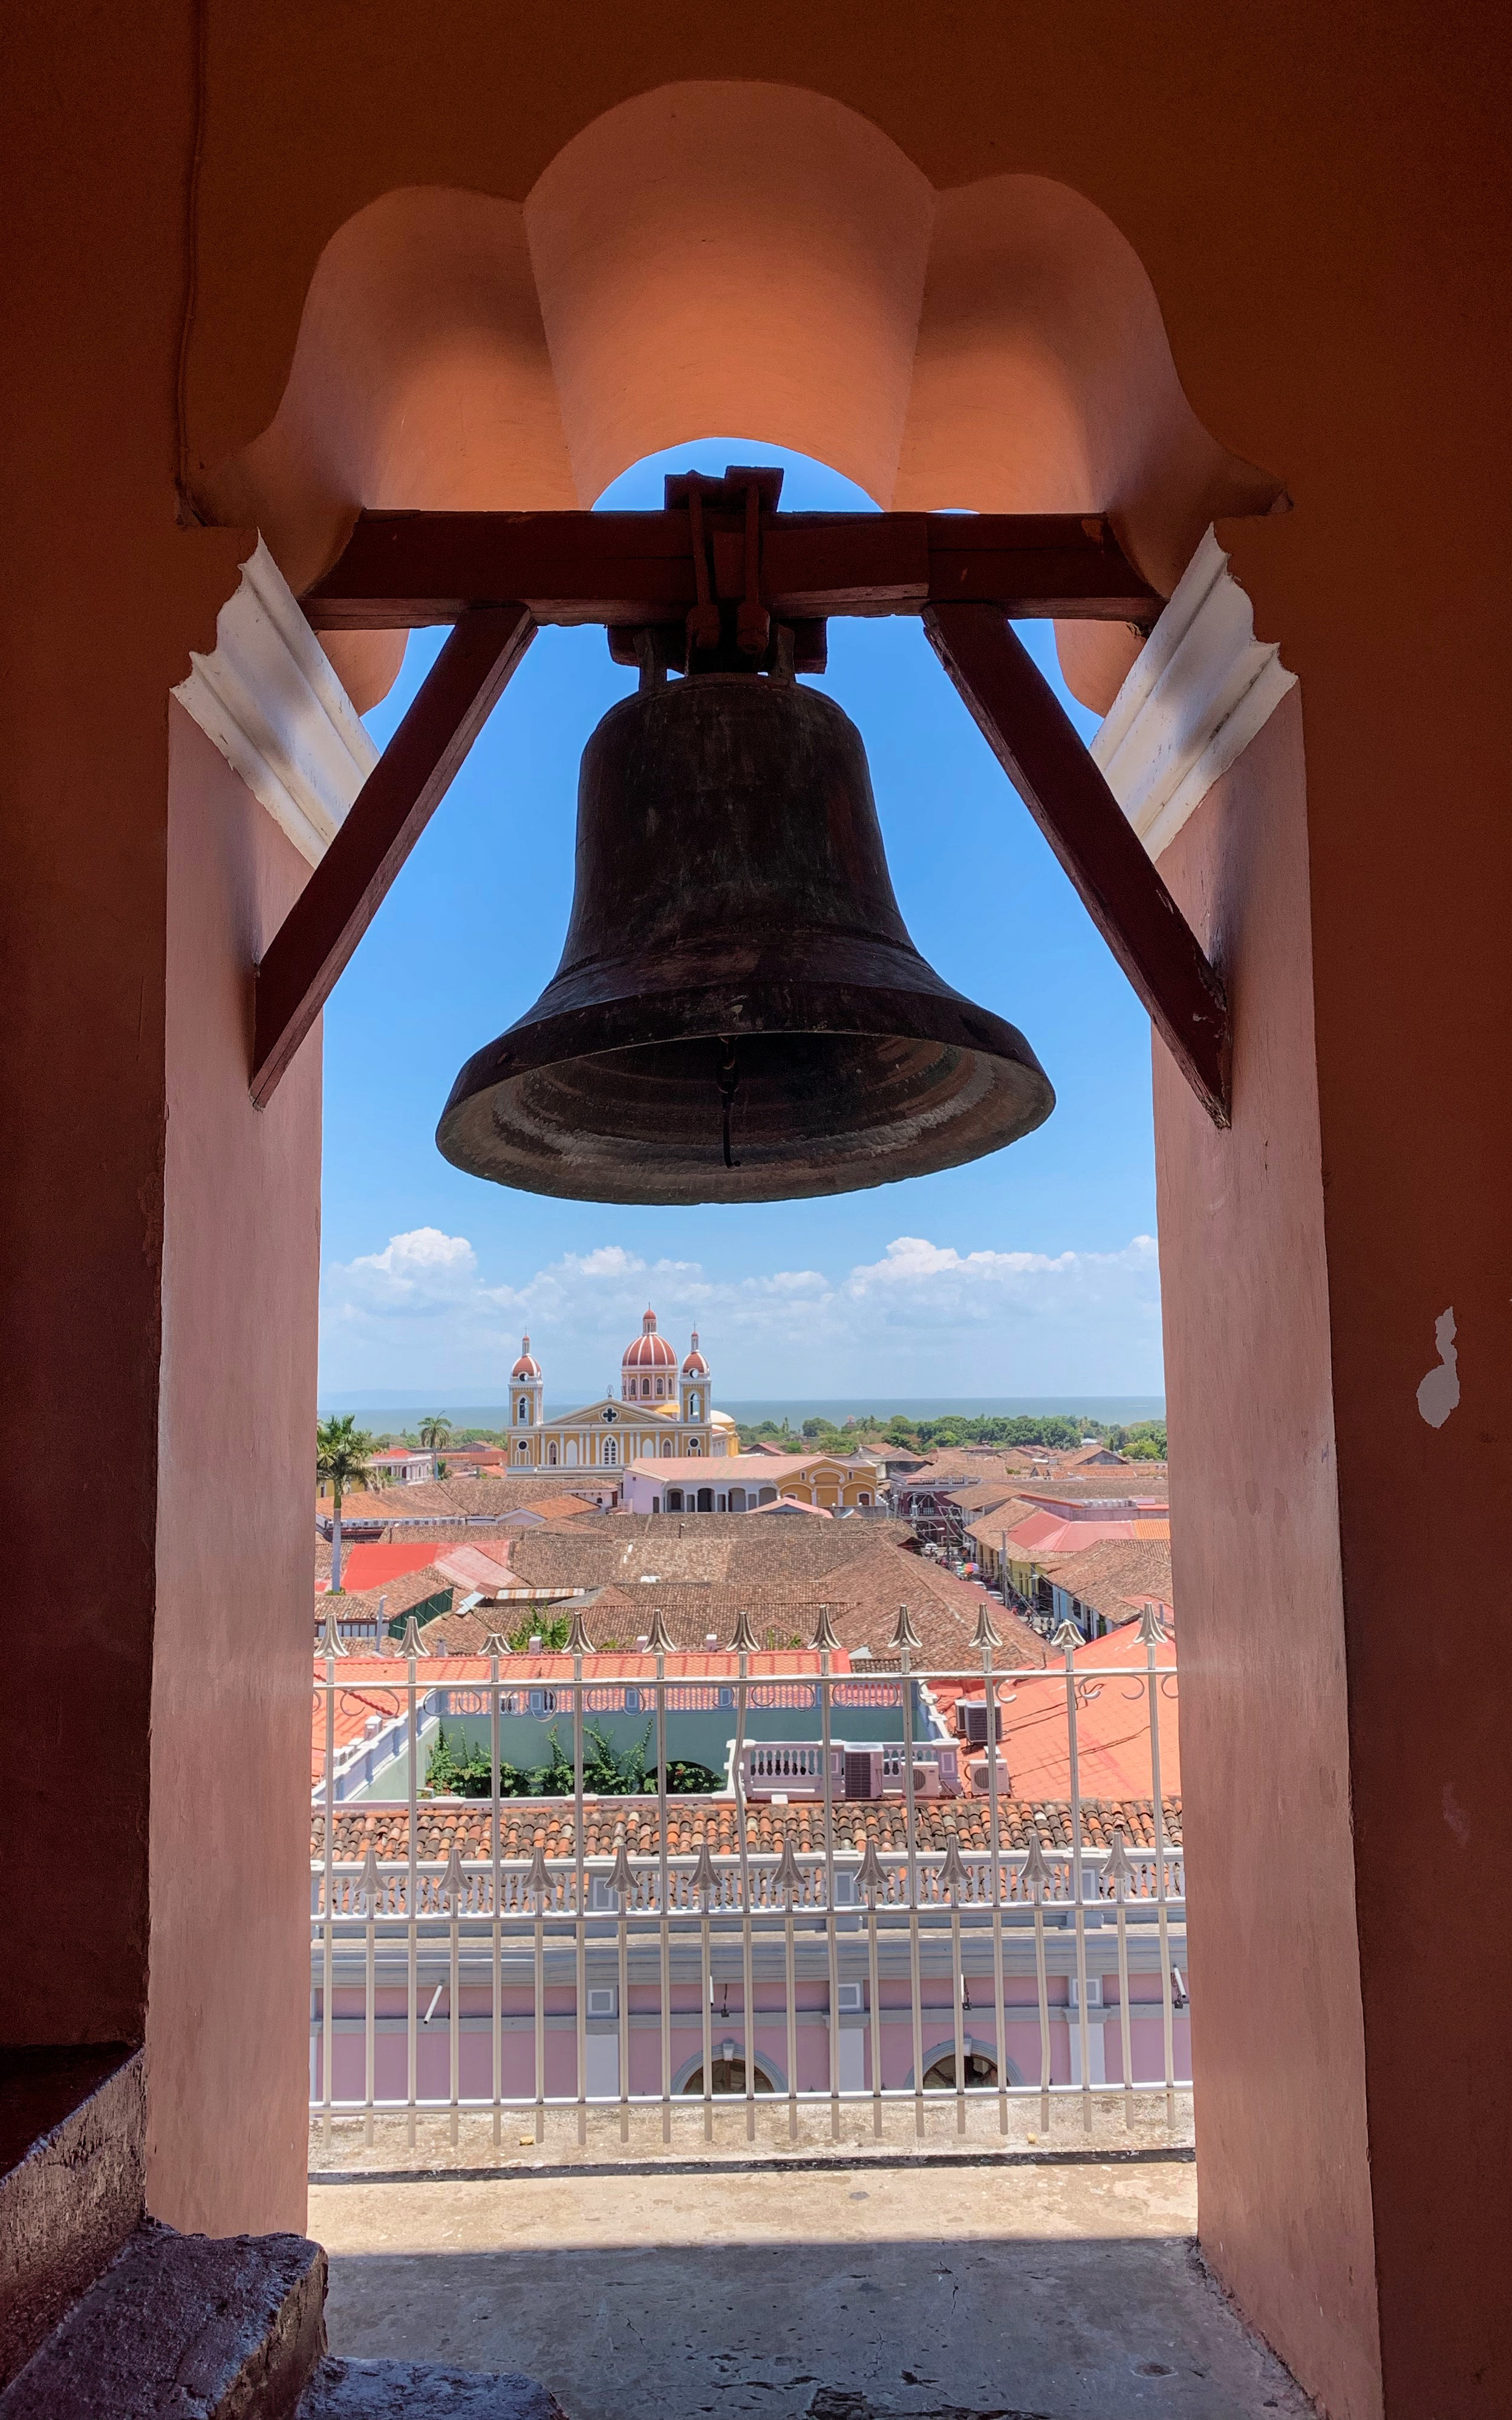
(679, 1017)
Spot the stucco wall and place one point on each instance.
(230, 1691)
(1283, 2178)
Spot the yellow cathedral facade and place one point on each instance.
(664, 1408)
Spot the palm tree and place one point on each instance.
(342, 1456)
(433, 1431)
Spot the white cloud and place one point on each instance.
(925, 1319)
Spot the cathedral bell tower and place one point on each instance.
(694, 1386)
(526, 1399)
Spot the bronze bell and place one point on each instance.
(739, 1013)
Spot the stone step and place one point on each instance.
(73, 2158)
(184, 2327)
(423, 2390)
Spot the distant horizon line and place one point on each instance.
(868, 1401)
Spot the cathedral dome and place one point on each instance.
(527, 1365)
(649, 1351)
(694, 1366)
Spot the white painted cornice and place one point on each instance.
(270, 701)
(1202, 688)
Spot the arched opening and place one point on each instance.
(728, 2075)
(981, 2071)
(674, 1499)
(737, 1500)
(705, 1500)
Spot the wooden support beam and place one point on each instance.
(403, 570)
(1024, 724)
(334, 910)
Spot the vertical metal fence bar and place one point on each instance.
(1043, 1986)
(792, 2003)
(328, 1943)
(1125, 2036)
(875, 1990)
(370, 2021)
(995, 1861)
(454, 2012)
(412, 1910)
(915, 1982)
(706, 1987)
(496, 1888)
(831, 1938)
(957, 1993)
(540, 2016)
(663, 1907)
(625, 1898)
(579, 1896)
(747, 1912)
(1068, 1638)
(1152, 1633)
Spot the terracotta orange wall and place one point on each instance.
(1319, 199)
(228, 2041)
(1277, 2031)
(101, 598)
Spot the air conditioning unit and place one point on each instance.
(862, 1773)
(971, 1721)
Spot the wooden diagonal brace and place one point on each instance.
(334, 910)
(1025, 726)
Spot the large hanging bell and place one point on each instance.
(739, 1013)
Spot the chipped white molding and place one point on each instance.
(1202, 688)
(270, 701)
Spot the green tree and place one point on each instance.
(343, 1462)
(435, 1432)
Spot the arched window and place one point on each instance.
(728, 2075)
(524, 1411)
(551, 1453)
(705, 1500)
(645, 1385)
(674, 1499)
(694, 1407)
(768, 1496)
(611, 1450)
(941, 2076)
(666, 1445)
(863, 1498)
(737, 1500)
(572, 1453)
(661, 1386)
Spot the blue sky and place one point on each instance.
(1030, 1273)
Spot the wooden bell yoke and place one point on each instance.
(719, 575)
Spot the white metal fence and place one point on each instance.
(851, 1952)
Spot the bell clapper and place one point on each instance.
(729, 1086)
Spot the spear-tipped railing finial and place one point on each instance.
(744, 1642)
(411, 1643)
(986, 1632)
(660, 1639)
(825, 1638)
(905, 1638)
(332, 1641)
(578, 1642)
(1153, 1631)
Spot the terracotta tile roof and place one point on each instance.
(469, 1823)
(694, 1546)
(1113, 1575)
(1141, 1484)
(442, 1499)
(372, 1567)
(395, 1596)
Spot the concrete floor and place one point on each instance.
(1072, 2292)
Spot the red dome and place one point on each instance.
(649, 1351)
(527, 1365)
(694, 1366)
